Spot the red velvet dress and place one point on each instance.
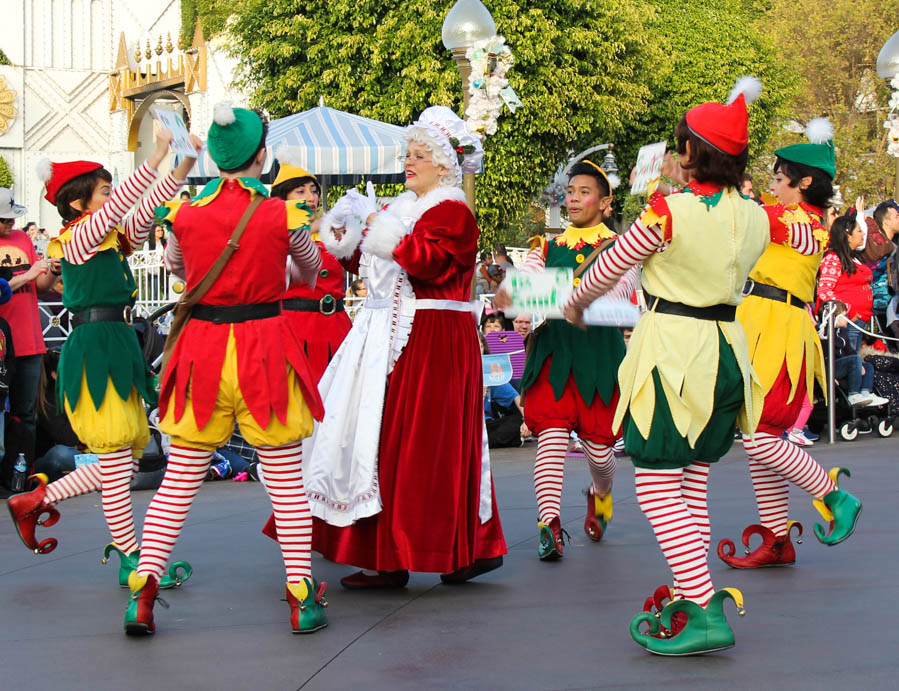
(430, 445)
(321, 334)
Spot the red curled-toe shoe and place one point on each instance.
(773, 551)
(26, 510)
(599, 513)
(381, 580)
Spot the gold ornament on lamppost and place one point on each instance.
(466, 23)
(888, 68)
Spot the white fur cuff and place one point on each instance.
(345, 246)
(384, 234)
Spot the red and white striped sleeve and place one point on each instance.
(535, 261)
(137, 225)
(87, 237)
(306, 256)
(626, 286)
(639, 242)
(802, 239)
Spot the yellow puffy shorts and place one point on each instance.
(115, 425)
(230, 408)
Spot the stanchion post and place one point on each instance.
(831, 389)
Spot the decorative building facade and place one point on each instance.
(84, 74)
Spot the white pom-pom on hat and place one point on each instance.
(45, 170)
(290, 155)
(223, 114)
(819, 131)
(614, 181)
(750, 87)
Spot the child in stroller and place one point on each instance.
(858, 409)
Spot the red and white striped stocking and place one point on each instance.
(661, 498)
(184, 474)
(87, 478)
(117, 469)
(789, 462)
(772, 496)
(602, 465)
(549, 468)
(282, 474)
(694, 487)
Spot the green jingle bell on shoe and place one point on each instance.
(840, 508)
(307, 605)
(179, 571)
(705, 631)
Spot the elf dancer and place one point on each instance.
(569, 379)
(786, 355)
(686, 377)
(103, 377)
(316, 315)
(236, 359)
(410, 489)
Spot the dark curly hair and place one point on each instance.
(819, 193)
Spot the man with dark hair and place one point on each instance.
(746, 186)
(885, 284)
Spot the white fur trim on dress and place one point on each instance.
(345, 246)
(398, 219)
(384, 234)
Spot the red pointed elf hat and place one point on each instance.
(55, 175)
(725, 126)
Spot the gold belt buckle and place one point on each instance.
(327, 305)
(128, 315)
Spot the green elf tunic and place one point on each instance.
(567, 367)
(99, 355)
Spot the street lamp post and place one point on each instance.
(466, 23)
(887, 68)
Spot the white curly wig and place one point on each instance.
(441, 153)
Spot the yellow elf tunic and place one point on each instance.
(777, 332)
(715, 239)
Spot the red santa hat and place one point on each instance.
(724, 126)
(55, 175)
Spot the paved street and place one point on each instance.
(826, 623)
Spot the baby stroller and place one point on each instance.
(849, 420)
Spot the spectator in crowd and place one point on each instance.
(885, 282)
(157, 237)
(844, 277)
(501, 257)
(7, 354)
(30, 276)
(503, 412)
(56, 444)
(184, 196)
(493, 322)
(886, 373)
(484, 281)
(522, 325)
(357, 289)
(746, 186)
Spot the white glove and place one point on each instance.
(363, 206)
(338, 214)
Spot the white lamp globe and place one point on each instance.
(887, 59)
(467, 22)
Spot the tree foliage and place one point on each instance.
(832, 48)
(6, 179)
(586, 71)
(3, 59)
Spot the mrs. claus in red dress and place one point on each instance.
(438, 510)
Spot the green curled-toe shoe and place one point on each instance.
(705, 630)
(179, 571)
(840, 508)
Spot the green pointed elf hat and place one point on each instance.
(817, 152)
(234, 136)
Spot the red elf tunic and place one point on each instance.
(264, 346)
(429, 461)
(321, 331)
